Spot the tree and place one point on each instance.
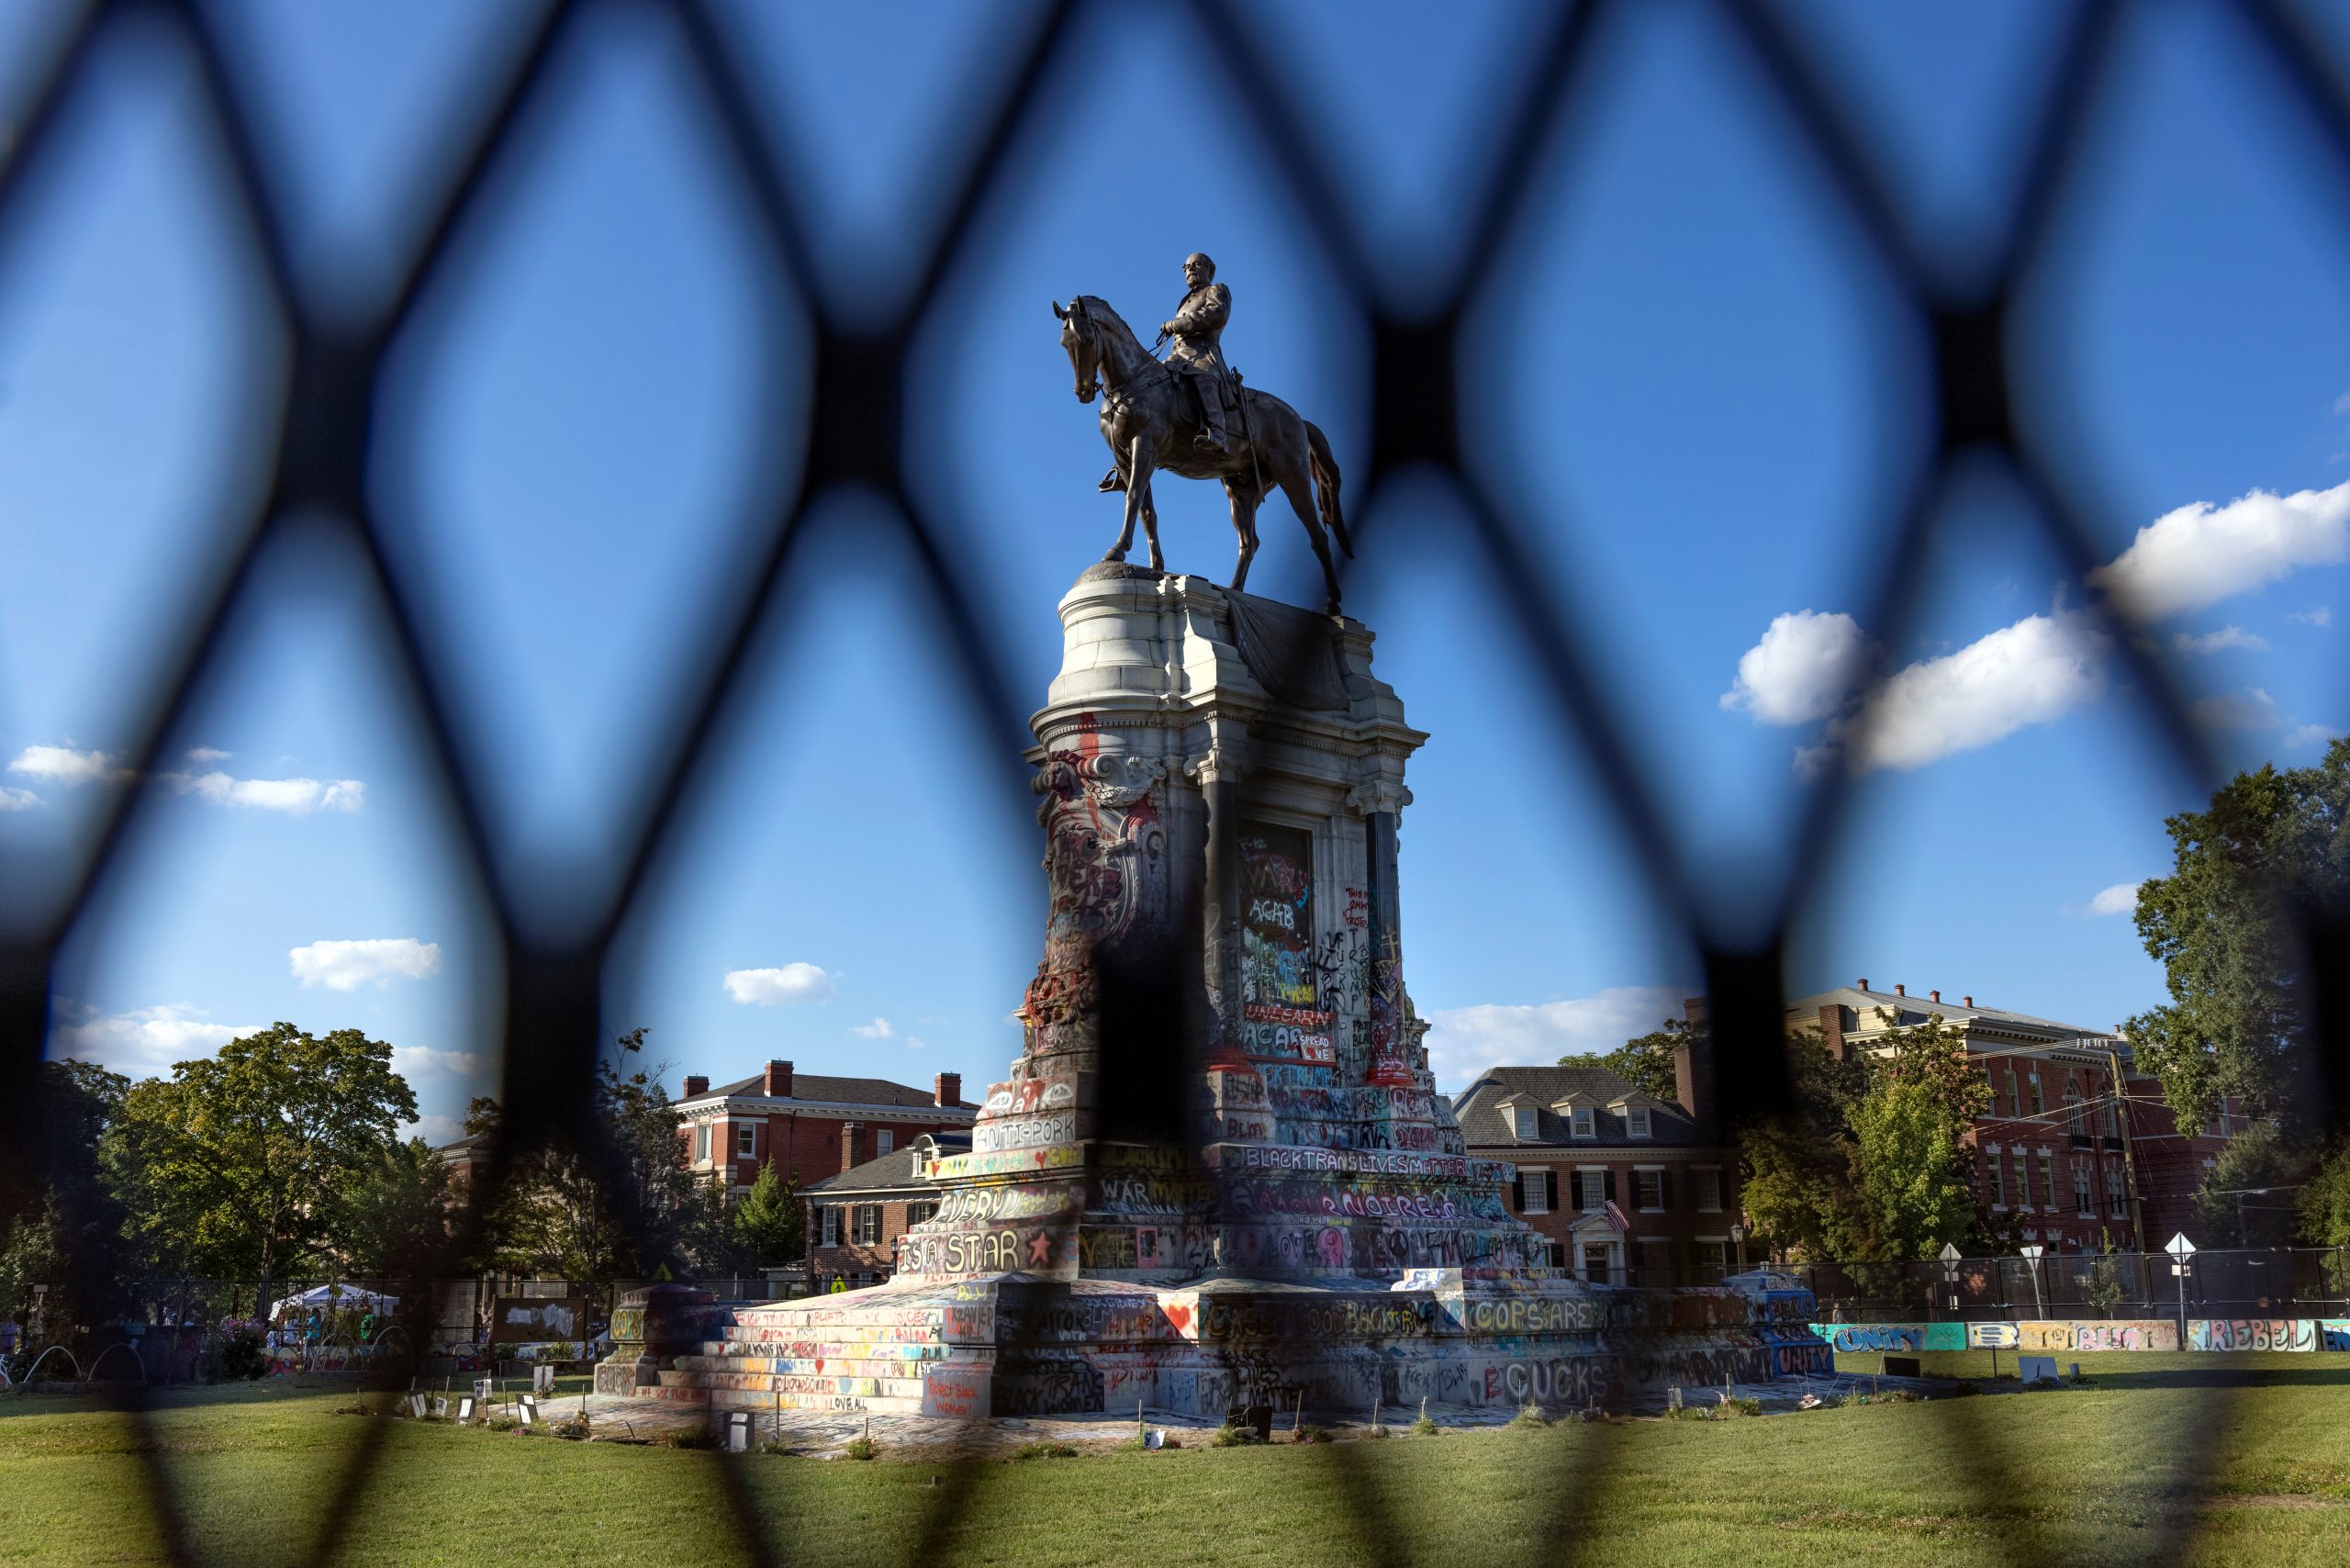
(2249, 1194)
(2271, 853)
(235, 1161)
(767, 1222)
(1795, 1171)
(1913, 1174)
(1646, 1063)
(392, 1218)
(2325, 1199)
(65, 1228)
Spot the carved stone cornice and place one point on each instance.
(1374, 795)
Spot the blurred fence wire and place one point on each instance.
(1980, 374)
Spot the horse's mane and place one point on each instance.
(1097, 306)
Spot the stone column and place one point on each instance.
(1382, 803)
(1218, 770)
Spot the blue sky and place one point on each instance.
(1689, 380)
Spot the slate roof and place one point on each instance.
(897, 1170)
(1485, 1127)
(818, 1089)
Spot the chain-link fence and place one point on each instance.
(1980, 373)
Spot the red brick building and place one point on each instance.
(808, 1125)
(1624, 1184)
(855, 1218)
(2078, 1147)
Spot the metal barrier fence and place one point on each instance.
(1983, 379)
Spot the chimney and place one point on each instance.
(1966, 1001)
(1933, 996)
(696, 1086)
(1900, 990)
(848, 1143)
(948, 1089)
(1863, 984)
(1692, 1077)
(779, 1080)
(1831, 1029)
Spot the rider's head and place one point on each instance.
(1198, 269)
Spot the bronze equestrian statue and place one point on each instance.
(1179, 415)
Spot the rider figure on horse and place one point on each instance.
(1196, 355)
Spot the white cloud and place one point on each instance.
(1805, 667)
(296, 797)
(2213, 642)
(15, 800)
(434, 1130)
(770, 988)
(2030, 673)
(62, 765)
(2119, 899)
(2342, 404)
(1464, 1041)
(146, 1041)
(208, 753)
(2251, 709)
(2309, 735)
(429, 1059)
(2199, 553)
(377, 961)
(880, 1029)
(2315, 615)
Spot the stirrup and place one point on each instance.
(1111, 482)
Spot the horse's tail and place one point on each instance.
(1326, 485)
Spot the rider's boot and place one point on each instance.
(1211, 437)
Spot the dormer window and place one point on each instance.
(1524, 1123)
(1636, 1121)
(1585, 1123)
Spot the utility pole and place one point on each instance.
(2129, 1156)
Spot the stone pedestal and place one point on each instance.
(1219, 1174)
(1221, 1073)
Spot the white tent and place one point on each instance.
(335, 1296)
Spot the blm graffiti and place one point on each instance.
(1277, 918)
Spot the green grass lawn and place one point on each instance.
(2107, 1473)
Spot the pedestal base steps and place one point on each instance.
(1015, 1345)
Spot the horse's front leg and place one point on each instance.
(1126, 532)
(1138, 502)
(1243, 496)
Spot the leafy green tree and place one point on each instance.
(2233, 1209)
(392, 1218)
(767, 1222)
(1913, 1174)
(1795, 1171)
(2273, 848)
(1646, 1062)
(61, 1223)
(2325, 1199)
(235, 1161)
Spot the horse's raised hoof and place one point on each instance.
(1113, 554)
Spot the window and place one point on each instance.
(1713, 1258)
(2073, 1124)
(2015, 1096)
(1534, 1192)
(2083, 1204)
(1584, 1124)
(1647, 1187)
(1590, 1190)
(868, 1223)
(1998, 1169)
(1525, 1121)
(746, 1140)
(883, 1142)
(2117, 1192)
(2225, 1130)
(701, 1143)
(2111, 1130)
(832, 1225)
(917, 1212)
(2047, 1179)
(1656, 1261)
(2039, 1099)
(1707, 1179)
(1637, 1121)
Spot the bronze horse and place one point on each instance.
(1149, 422)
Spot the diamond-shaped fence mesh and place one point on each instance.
(1980, 371)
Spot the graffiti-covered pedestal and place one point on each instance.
(1219, 1173)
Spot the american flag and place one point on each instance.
(1615, 1215)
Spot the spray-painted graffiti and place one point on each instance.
(1047, 1387)
(1277, 915)
(1897, 1337)
(1033, 1132)
(959, 1167)
(957, 1389)
(2252, 1334)
(1531, 1315)
(978, 1252)
(1992, 1336)
(2333, 1333)
(1567, 1379)
(2147, 1334)
(970, 1206)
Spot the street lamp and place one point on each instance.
(2032, 1255)
(1737, 1242)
